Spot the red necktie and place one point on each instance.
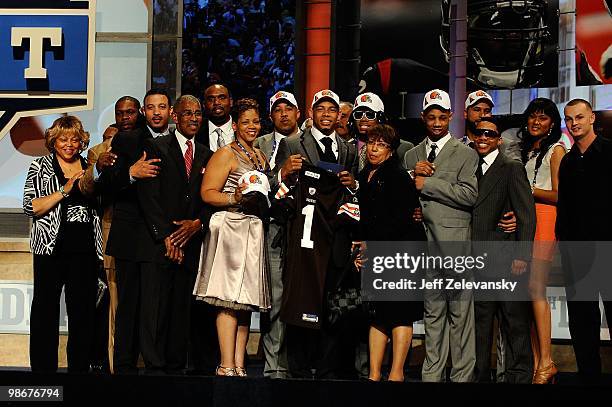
(188, 158)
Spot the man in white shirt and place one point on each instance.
(216, 130)
(444, 171)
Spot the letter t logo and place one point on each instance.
(36, 36)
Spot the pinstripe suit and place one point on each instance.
(504, 187)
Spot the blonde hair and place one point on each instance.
(66, 125)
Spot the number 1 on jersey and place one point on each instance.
(308, 212)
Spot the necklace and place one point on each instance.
(258, 165)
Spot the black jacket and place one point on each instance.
(171, 196)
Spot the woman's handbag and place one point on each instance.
(344, 301)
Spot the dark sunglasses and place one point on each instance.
(486, 132)
(369, 114)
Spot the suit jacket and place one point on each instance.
(265, 143)
(511, 149)
(171, 196)
(91, 188)
(129, 238)
(202, 135)
(504, 187)
(450, 193)
(306, 145)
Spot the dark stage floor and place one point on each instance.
(257, 391)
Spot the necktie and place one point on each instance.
(188, 157)
(220, 139)
(479, 172)
(328, 154)
(432, 154)
(362, 157)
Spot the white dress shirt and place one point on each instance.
(488, 160)
(226, 131)
(182, 140)
(156, 134)
(318, 136)
(277, 139)
(439, 144)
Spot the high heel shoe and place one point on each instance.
(546, 375)
(225, 371)
(241, 371)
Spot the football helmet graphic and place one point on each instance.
(507, 41)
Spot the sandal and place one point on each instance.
(225, 371)
(241, 371)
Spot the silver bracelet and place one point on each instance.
(61, 191)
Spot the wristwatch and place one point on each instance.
(64, 194)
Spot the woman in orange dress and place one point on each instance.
(542, 152)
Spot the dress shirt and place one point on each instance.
(226, 131)
(488, 160)
(440, 144)
(318, 136)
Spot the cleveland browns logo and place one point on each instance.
(435, 95)
(366, 99)
(280, 95)
(254, 179)
(326, 92)
(481, 94)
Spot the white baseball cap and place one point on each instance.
(478, 96)
(371, 101)
(282, 95)
(256, 182)
(325, 94)
(436, 97)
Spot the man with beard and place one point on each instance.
(175, 218)
(216, 129)
(342, 128)
(99, 158)
(284, 113)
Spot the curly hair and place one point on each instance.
(548, 107)
(69, 126)
(242, 105)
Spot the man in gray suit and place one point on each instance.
(284, 113)
(444, 171)
(480, 104)
(503, 186)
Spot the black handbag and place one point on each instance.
(344, 301)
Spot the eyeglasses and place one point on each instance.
(369, 114)
(189, 113)
(378, 144)
(486, 132)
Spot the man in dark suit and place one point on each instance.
(129, 241)
(175, 217)
(319, 143)
(216, 130)
(503, 186)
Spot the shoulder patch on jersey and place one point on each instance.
(350, 209)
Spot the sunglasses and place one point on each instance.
(368, 114)
(486, 132)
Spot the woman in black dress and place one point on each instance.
(387, 199)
